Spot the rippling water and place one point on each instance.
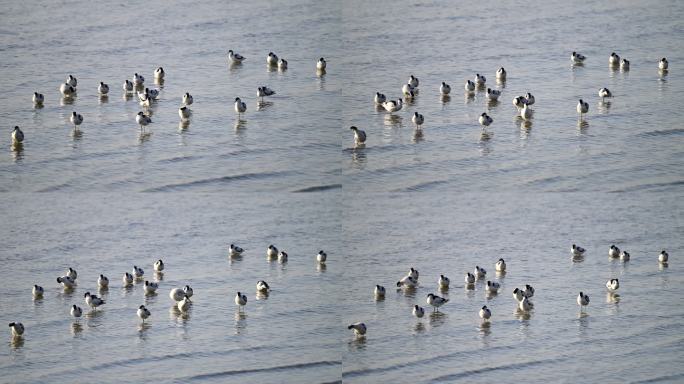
(440, 199)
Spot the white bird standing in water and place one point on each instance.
(138, 80)
(582, 107)
(480, 79)
(282, 64)
(624, 256)
(612, 285)
(501, 74)
(614, 59)
(577, 250)
(393, 106)
(614, 251)
(187, 99)
(184, 113)
(480, 273)
(493, 287)
(240, 106)
(17, 135)
(663, 64)
(127, 279)
(359, 135)
(272, 59)
(282, 257)
(17, 329)
(66, 282)
(127, 86)
(500, 266)
(436, 301)
(240, 300)
(469, 278)
(102, 282)
(150, 287)
(485, 120)
(379, 98)
(485, 313)
(624, 65)
(582, 300)
(407, 282)
(184, 304)
(321, 64)
(418, 311)
(92, 300)
(271, 251)
(663, 256)
(142, 119)
(493, 94)
(67, 90)
(159, 73)
(417, 119)
(577, 58)
(234, 250)
(262, 286)
(158, 265)
(604, 92)
(138, 272)
(379, 291)
(443, 282)
(103, 88)
(444, 89)
(264, 91)
(359, 328)
(38, 99)
(177, 294)
(143, 313)
(76, 311)
(321, 257)
(235, 57)
(413, 81)
(469, 86)
(37, 291)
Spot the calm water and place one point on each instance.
(441, 200)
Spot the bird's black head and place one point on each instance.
(12, 324)
(353, 128)
(141, 307)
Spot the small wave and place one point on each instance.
(177, 159)
(54, 188)
(473, 372)
(319, 188)
(660, 379)
(205, 376)
(421, 186)
(648, 186)
(665, 132)
(216, 180)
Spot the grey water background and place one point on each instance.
(440, 199)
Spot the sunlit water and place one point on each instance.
(441, 199)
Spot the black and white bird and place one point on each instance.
(282, 257)
(282, 64)
(500, 266)
(321, 64)
(614, 59)
(392, 105)
(379, 291)
(102, 282)
(127, 279)
(469, 278)
(485, 313)
(187, 99)
(413, 81)
(17, 135)
(272, 59)
(528, 291)
(177, 294)
(519, 102)
(407, 282)
(271, 251)
(358, 328)
(418, 311)
(158, 266)
(582, 107)
(485, 120)
(604, 92)
(417, 119)
(624, 65)
(529, 99)
(103, 88)
(443, 282)
(76, 119)
(188, 291)
(66, 282)
(614, 251)
(501, 74)
(379, 98)
(37, 291)
(612, 285)
(444, 89)
(73, 275)
(142, 119)
(624, 256)
(138, 80)
(92, 300)
(518, 295)
(663, 64)
(407, 90)
(582, 300)
(576, 250)
(76, 311)
(493, 287)
(359, 135)
(262, 286)
(159, 73)
(67, 90)
(184, 112)
(240, 300)
(436, 301)
(480, 80)
(184, 304)
(17, 329)
(235, 57)
(240, 107)
(138, 272)
(150, 287)
(72, 81)
(480, 272)
(321, 257)
(264, 92)
(38, 99)
(493, 94)
(235, 250)
(663, 256)
(469, 86)
(127, 86)
(577, 58)
(525, 304)
(143, 313)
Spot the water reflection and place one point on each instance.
(604, 106)
(445, 99)
(522, 315)
(358, 343)
(240, 322)
(234, 66)
(142, 330)
(103, 99)
(469, 97)
(183, 125)
(144, 136)
(418, 328)
(16, 342)
(437, 319)
(392, 120)
(321, 267)
(263, 105)
(76, 134)
(485, 328)
(418, 135)
(262, 295)
(76, 328)
(65, 100)
(582, 126)
(127, 96)
(158, 276)
(612, 298)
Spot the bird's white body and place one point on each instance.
(624, 64)
(282, 257)
(469, 278)
(577, 58)
(413, 273)
(142, 119)
(614, 59)
(407, 89)
(485, 120)
(480, 79)
(76, 311)
(379, 291)
(528, 291)
(102, 282)
(407, 282)
(519, 102)
(76, 119)
(264, 91)
(138, 272)
(393, 106)
(379, 98)
(358, 328)
(612, 285)
(184, 112)
(37, 291)
(272, 59)
(624, 256)
(582, 300)
(17, 329)
(234, 250)
(187, 99)
(417, 119)
(418, 311)
(72, 81)
(138, 80)
(127, 86)
(103, 88)
(66, 282)
(605, 92)
(127, 279)
(469, 86)
(188, 291)
(282, 64)
(184, 304)
(525, 304)
(582, 107)
(67, 90)
(321, 64)
(577, 250)
(177, 294)
(444, 89)
(493, 94)
(436, 301)
(485, 313)
(159, 73)
(272, 251)
(262, 286)
(240, 300)
(150, 287)
(92, 300)
(413, 81)
(501, 74)
(443, 282)
(493, 287)
(518, 295)
(500, 266)
(158, 266)
(143, 313)
(235, 57)
(479, 272)
(240, 106)
(663, 257)
(663, 64)
(321, 257)
(614, 251)
(529, 99)
(38, 98)
(17, 135)
(73, 275)
(526, 112)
